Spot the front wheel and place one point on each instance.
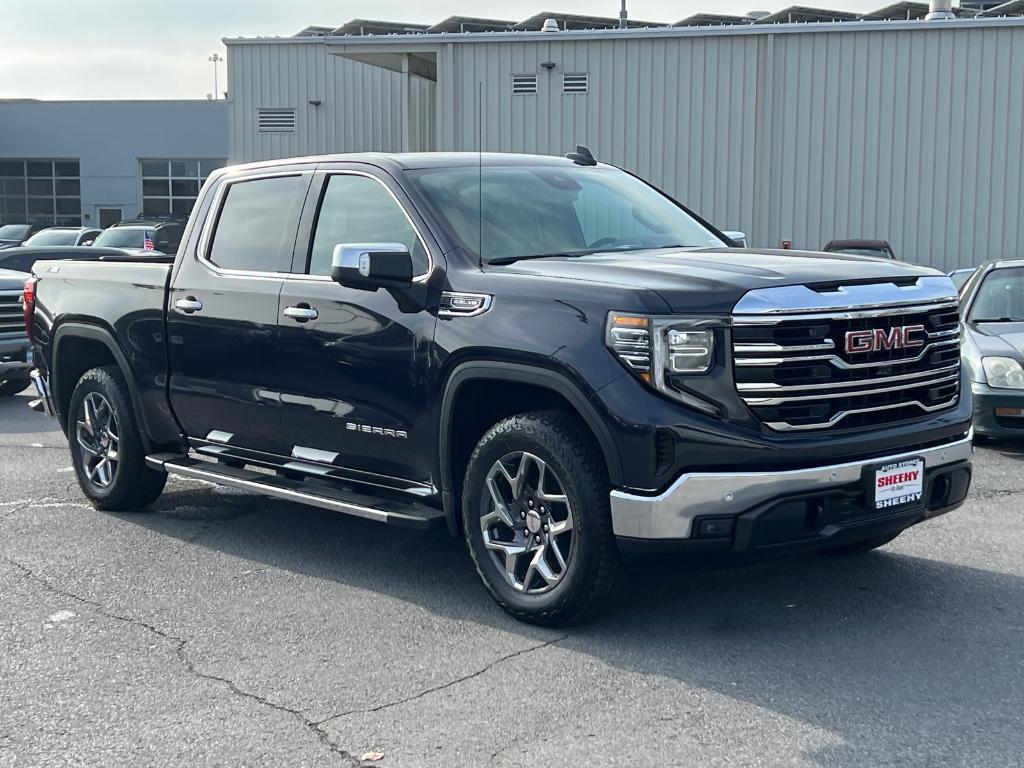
(106, 446)
(536, 518)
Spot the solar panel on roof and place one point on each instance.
(797, 14)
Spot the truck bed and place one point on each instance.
(124, 301)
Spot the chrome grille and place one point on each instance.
(794, 372)
(12, 316)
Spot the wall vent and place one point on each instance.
(575, 83)
(524, 83)
(275, 120)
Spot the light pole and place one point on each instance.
(215, 59)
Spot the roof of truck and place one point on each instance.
(412, 160)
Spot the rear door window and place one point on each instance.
(254, 231)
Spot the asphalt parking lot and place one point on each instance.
(225, 629)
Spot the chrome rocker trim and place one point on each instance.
(670, 514)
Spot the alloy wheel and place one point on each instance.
(527, 523)
(98, 441)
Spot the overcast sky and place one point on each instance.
(145, 49)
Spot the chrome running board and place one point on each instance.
(408, 515)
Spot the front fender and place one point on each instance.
(560, 382)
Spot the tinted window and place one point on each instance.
(357, 209)
(123, 237)
(171, 234)
(253, 224)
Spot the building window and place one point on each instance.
(40, 192)
(172, 186)
(575, 83)
(524, 84)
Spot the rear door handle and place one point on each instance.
(303, 313)
(188, 305)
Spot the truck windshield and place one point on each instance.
(539, 211)
(122, 237)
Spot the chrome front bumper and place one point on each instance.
(670, 514)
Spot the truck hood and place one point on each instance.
(11, 280)
(713, 280)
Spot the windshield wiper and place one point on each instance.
(527, 257)
(998, 320)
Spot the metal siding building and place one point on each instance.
(359, 106)
(906, 131)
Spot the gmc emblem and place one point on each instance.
(882, 339)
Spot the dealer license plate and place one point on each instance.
(899, 484)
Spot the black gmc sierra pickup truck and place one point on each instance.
(551, 356)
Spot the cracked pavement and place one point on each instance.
(224, 629)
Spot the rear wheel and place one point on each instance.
(866, 545)
(11, 387)
(537, 521)
(106, 446)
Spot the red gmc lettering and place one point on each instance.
(884, 339)
(891, 339)
(860, 341)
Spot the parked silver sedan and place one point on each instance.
(992, 307)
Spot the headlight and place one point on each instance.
(1003, 372)
(657, 349)
(688, 351)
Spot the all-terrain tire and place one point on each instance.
(592, 571)
(133, 485)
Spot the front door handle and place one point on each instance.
(302, 313)
(188, 305)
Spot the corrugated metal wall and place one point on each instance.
(679, 112)
(910, 136)
(359, 109)
(906, 134)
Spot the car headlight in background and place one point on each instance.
(656, 349)
(1003, 372)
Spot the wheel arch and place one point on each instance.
(558, 387)
(102, 349)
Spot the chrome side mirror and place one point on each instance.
(371, 264)
(740, 238)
